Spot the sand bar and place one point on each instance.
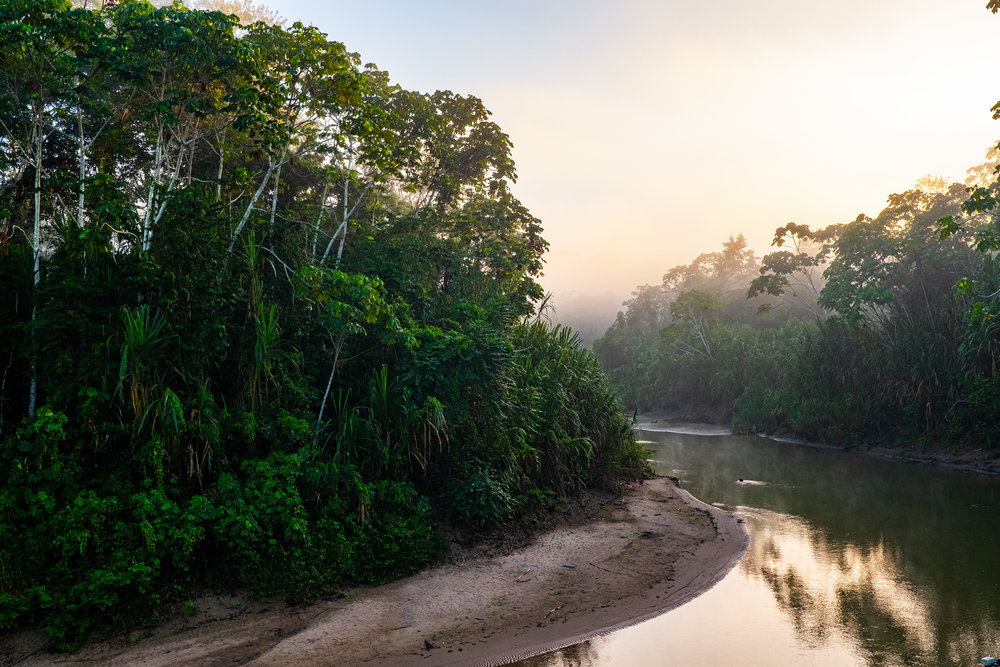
(644, 553)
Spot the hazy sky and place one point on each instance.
(646, 132)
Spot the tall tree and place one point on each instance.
(37, 66)
(794, 275)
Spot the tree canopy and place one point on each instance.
(887, 327)
(262, 310)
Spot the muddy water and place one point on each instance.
(852, 561)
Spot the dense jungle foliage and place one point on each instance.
(881, 328)
(265, 318)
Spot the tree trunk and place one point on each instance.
(83, 165)
(319, 218)
(274, 200)
(36, 248)
(329, 383)
(147, 231)
(222, 158)
(271, 166)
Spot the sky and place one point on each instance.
(647, 132)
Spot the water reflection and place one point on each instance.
(584, 654)
(825, 589)
(852, 561)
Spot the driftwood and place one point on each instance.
(554, 610)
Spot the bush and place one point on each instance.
(481, 496)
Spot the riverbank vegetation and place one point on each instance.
(265, 318)
(881, 328)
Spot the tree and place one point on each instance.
(794, 275)
(309, 80)
(451, 151)
(247, 11)
(178, 59)
(276, 302)
(697, 310)
(344, 306)
(37, 64)
(894, 268)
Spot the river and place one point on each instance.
(852, 561)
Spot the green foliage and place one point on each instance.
(678, 321)
(793, 275)
(481, 496)
(262, 524)
(897, 340)
(400, 538)
(272, 305)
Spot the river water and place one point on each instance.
(852, 561)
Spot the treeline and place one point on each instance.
(265, 318)
(881, 328)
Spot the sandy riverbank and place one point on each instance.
(642, 554)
